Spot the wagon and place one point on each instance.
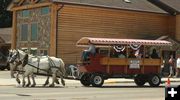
(122, 58)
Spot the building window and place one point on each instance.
(34, 32)
(24, 32)
(25, 13)
(45, 10)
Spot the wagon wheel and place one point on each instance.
(97, 80)
(139, 80)
(85, 80)
(154, 80)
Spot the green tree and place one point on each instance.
(5, 16)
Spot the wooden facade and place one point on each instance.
(76, 21)
(177, 27)
(66, 23)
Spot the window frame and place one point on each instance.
(24, 15)
(32, 31)
(26, 34)
(43, 8)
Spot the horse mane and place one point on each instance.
(25, 61)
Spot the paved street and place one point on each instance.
(73, 90)
(77, 92)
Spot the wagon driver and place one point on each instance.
(91, 50)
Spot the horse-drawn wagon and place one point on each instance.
(121, 58)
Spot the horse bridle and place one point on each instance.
(15, 57)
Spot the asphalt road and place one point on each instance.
(75, 91)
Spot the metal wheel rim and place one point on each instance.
(97, 79)
(155, 80)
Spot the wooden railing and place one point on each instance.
(126, 61)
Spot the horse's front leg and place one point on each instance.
(33, 79)
(24, 76)
(46, 82)
(17, 78)
(62, 80)
(23, 81)
(29, 82)
(12, 72)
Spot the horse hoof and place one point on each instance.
(12, 76)
(23, 85)
(57, 81)
(27, 85)
(51, 85)
(32, 85)
(63, 84)
(18, 81)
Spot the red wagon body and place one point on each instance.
(103, 65)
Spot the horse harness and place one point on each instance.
(51, 64)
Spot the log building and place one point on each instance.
(54, 26)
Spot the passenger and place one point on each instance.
(131, 55)
(121, 55)
(114, 54)
(171, 66)
(154, 54)
(86, 53)
(146, 55)
(92, 49)
(177, 66)
(139, 54)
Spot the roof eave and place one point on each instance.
(165, 7)
(102, 6)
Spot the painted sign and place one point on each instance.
(134, 64)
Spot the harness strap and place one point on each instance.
(37, 67)
(51, 63)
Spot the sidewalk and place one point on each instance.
(12, 81)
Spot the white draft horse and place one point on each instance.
(42, 65)
(15, 67)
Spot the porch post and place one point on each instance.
(52, 47)
(14, 32)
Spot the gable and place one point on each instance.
(19, 3)
(27, 2)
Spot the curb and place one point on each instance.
(132, 81)
(12, 82)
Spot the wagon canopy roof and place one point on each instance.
(110, 41)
